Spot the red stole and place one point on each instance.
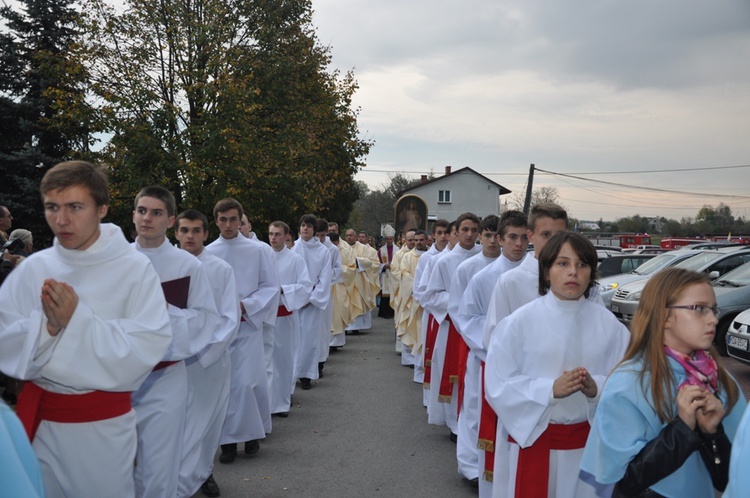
(282, 311)
(532, 473)
(487, 434)
(456, 353)
(36, 404)
(429, 347)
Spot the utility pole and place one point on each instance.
(529, 187)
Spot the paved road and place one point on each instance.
(361, 431)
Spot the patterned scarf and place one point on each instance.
(699, 371)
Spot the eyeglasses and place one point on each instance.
(701, 309)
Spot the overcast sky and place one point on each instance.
(573, 87)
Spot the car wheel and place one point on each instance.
(721, 334)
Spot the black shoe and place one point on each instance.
(474, 483)
(320, 369)
(282, 414)
(252, 447)
(210, 488)
(454, 437)
(333, 349)
(305, 383)
(228, 453)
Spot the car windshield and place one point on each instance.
(698, 261)
(654, 264)
(738, 276)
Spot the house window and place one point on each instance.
(444, 196)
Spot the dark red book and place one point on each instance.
(176, 291)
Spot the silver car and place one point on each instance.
(609, 285)
(714, 263)
(733, 298)
(738, 337)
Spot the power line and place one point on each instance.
(707, 168)
(636, 187)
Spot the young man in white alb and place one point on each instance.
(477, 421)
(459, 363)
(248, 417)
(443, 400)
(161, 401)
(84, 322)
(296, 288)
(312, 316)
(208, 371)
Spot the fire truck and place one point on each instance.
(623, 240)
(677, 242)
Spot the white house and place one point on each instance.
(457, 192)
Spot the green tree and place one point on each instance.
(226, 98)
(43, 90)
(636, 223)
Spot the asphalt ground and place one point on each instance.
(361, 431)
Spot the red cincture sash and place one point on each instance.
(36, 404)
(283, 311)
(164, 364)
(487, 434)
(532, 473)
(429, 347)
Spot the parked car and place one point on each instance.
(712, 245)
(732, 297)
(602, 254)
(622, 263)
(738, 337)
(609, 285)
(713, 262)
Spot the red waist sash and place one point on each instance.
(429, 346)
(532, 473)
(36, 404)
(283, 311)
(164, 364)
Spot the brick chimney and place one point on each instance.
(424, 178)
(447, 170)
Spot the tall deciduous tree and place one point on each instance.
(46, 118)
(215, 98)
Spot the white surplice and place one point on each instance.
(529, 350)
(312, 316)
(467, 453)
(120, 329)
(436, 298)
(160, 402)
(472, 313)
(208, 375)
(249, 411)
(296, 288)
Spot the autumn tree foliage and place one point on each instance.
(216, 98)
(46, 117)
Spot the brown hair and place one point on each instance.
(647, 340)
(282, 225)
(78, 173)
(192, 215)
(583, 248)
(161, 194)
(546, 210)
(225, 205)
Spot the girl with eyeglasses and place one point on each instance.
(669, 411)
